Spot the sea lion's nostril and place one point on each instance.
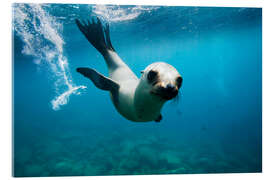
(171, 90)
(170, 87)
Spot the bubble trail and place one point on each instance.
(41, 35)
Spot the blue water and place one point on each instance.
(214, 127)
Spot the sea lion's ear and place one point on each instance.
(142, 71)
(99, 80)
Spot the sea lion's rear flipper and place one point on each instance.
(99, 80)
(97, 34)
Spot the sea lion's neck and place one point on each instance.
(147, 106)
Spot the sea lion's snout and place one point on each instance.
(169, 92)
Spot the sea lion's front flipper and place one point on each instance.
(159, 118)
(98, 79)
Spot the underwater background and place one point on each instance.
(64, 126)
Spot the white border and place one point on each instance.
(5, 81)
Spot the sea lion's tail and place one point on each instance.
(97, 34)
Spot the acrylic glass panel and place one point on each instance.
(65, 126)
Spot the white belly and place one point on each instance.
(125, 103)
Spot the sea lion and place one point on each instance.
(138, 100)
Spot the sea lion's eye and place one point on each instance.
(179, 81)
(151, 75)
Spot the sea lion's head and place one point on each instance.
(163, 80)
